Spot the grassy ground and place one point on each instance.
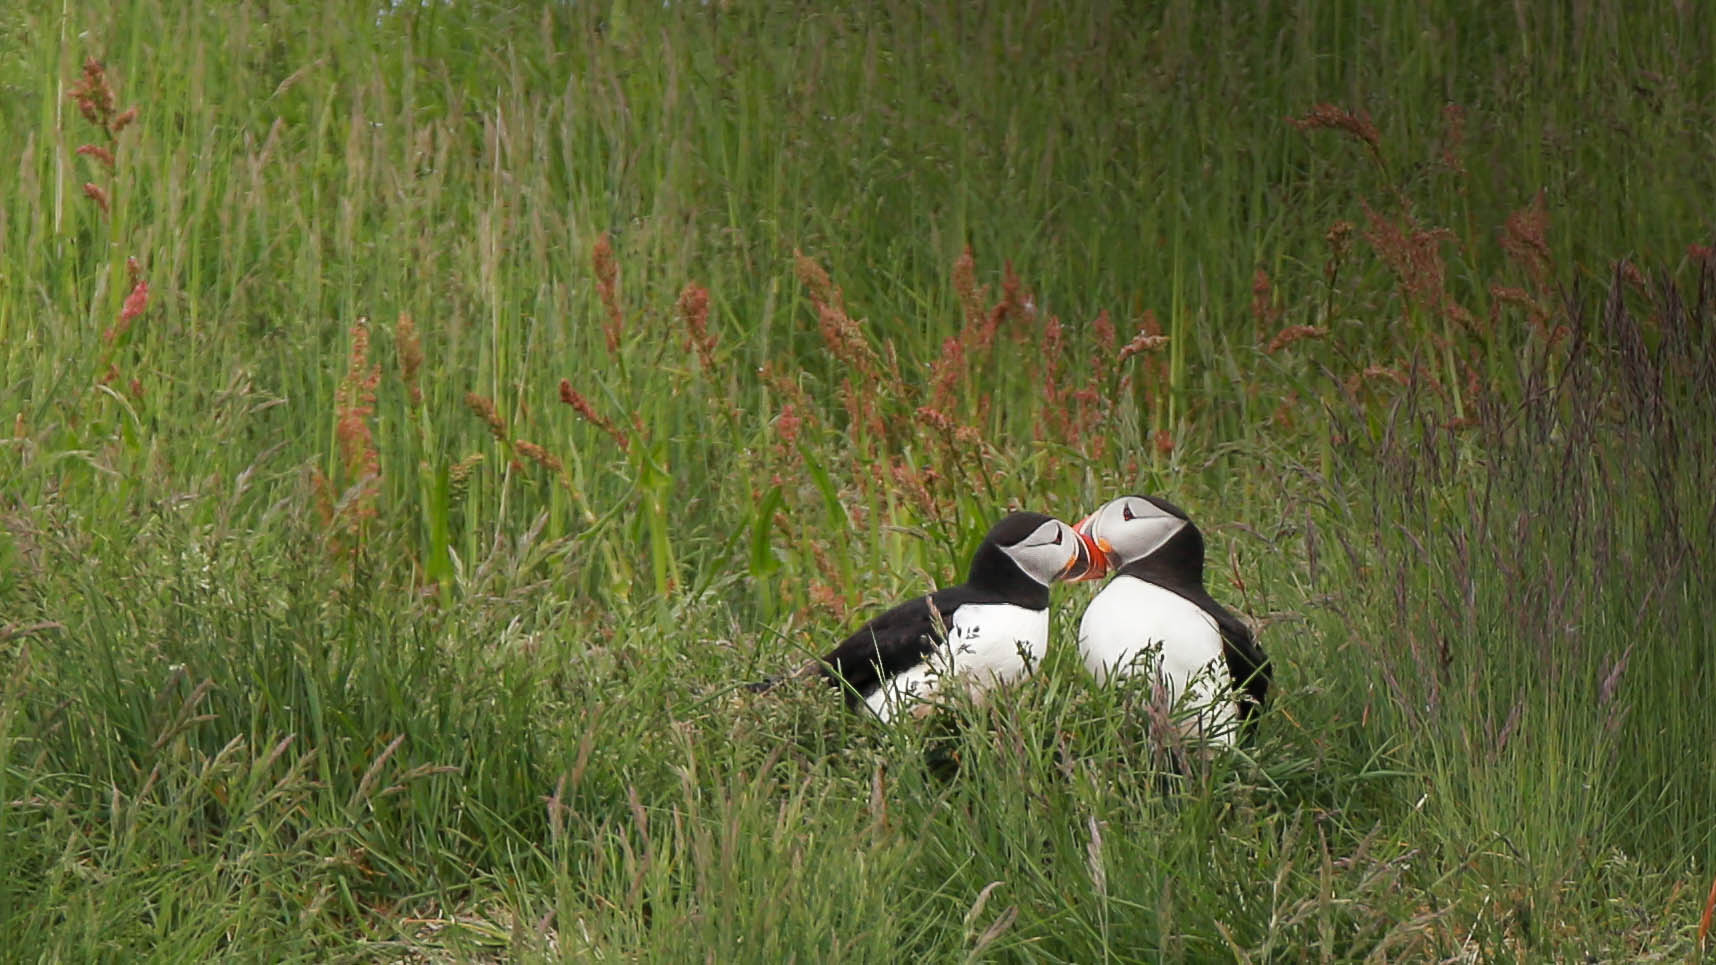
(412, 429)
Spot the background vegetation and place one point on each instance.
(413, 427)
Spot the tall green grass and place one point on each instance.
(378, 582)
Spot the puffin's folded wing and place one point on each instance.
(890, 644)
(1246, 661)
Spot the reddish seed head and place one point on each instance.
(539, 455)
(98, 152)
(354, 402)
(90, 112)
(323, 488)
(1524, 238)
(788, 423)
(945, 372)
(361, 376)
(845, 339)
(93, 95)
(410, 356)
(1144, 341)
(1414, 253)
(134, 305)
(821, 290)
(1356, 382)
(965, 286)
(823, 597)
(485, 410)
(135, 302)
(576, 400)
(915, 484)
(608, 287)
(1016, 303)
(1294, 333)
(1384, 372)
(935, 419)
(602, 259)
(1709, 912)
(352, 432)
(1330, 117)
(1264, 311)
(693, 308)
(1102, 334)
(1510, 295)
(97, 194)
(1103, 330)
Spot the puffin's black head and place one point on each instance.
(1139, 528)
(1030, 551)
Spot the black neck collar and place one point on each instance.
(994, 573)
(1176, 565)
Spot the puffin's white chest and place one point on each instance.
(987, 644)
(1135, 627)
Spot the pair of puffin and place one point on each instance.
(1154, 617)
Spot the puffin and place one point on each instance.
(989, 630)
(1155, 616)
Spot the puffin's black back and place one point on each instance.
(1178, 566)
(901, 637)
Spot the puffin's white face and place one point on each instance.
(1129, 528)
(1053, 551)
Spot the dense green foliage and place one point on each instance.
(413, 430)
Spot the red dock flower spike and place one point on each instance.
(693, 308)
(608, 287)
(135, 304)
(96, 193)
(1356, 125)
(576, 400)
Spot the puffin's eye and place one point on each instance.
(1126, 512)
(1058, 534)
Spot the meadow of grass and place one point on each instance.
(413, 428)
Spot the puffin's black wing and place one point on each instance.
(895, 641)
(1246, 662)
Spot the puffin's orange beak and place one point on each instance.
(1098, 550)
(1091, 561)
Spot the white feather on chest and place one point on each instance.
(1135, 627)
(987, 644)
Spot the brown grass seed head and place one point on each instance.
(485, 410)
(1330, 117)
(577, 401)
(410, 349)
(608, 287)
